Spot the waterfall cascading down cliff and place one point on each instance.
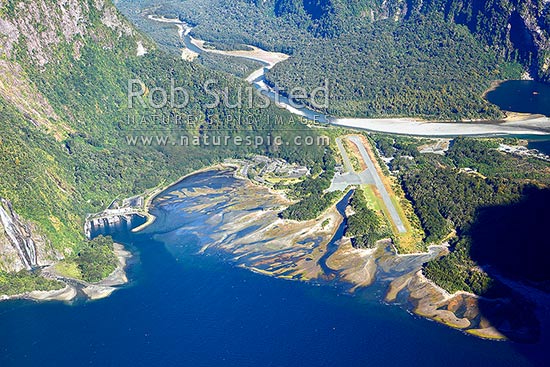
(19, 236)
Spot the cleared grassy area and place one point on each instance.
(412, 240)
(68, 269)
(373, 198)
(281, 180)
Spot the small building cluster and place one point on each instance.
(523, 151)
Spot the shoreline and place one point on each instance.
(72, 288)
(149, 197)
(221, 166)
(118, 277)
(65, 294)
(358, 267)
(432, 306)
(105, 287)
(494, 85)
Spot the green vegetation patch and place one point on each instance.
(313, 200)
(458, 272)
(24, 281)
(451, 192)
(366, 226)
(422, 67)
(94, 261)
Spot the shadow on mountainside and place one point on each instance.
(513, 240)
(511, 243)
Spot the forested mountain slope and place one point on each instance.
(430, 59)
(65, 120)
(517, 29)
(420, 67)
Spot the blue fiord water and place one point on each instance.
(525, 96)
(183, 308)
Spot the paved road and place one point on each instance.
(350, 178)
(341, 181)
(371, 168)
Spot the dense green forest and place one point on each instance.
(458, 272)
(167, 38)
(95, 259)
(239, 67)
(12, 284)
(365, 226)
(312, 200)
(379, 59)
(231, 22)
(421, 67)
(456, 192)
(518, 30)
(79, 159)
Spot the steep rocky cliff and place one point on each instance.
(39, 27)
(43, 32)
(21, 245)
(41, 206)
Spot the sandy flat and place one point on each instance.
(65, 294)
(535, 125)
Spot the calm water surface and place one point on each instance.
(186, 309)
(525, 96)
(541, 145)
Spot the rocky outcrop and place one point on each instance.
(21, 247)
(41, 33)
(42, 26)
